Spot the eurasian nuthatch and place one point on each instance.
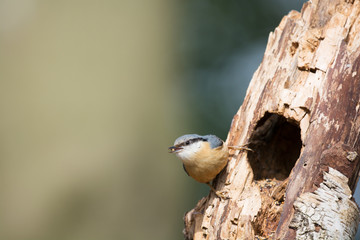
(203, 157)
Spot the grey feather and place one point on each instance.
(185, 138)
(214, 141)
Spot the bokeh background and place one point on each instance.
(92, 94)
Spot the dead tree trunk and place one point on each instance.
(301, 117)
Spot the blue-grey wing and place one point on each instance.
(214, 141)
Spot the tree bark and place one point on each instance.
(301, 118)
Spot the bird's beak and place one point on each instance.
(174, 149)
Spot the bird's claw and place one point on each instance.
(223, 195)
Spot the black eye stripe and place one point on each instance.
(190, 141)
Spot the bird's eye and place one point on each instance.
(187, 142)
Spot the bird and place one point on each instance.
(203, 157)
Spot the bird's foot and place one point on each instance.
(223, 195)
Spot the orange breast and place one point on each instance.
(207, 163)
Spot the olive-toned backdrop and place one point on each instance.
(93, 92)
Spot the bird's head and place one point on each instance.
(187, 145)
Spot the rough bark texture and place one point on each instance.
(301, 118)
(328, 212)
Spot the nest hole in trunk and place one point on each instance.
(276, 142)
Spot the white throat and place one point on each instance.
(188, 152)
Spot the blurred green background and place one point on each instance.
(93, 93)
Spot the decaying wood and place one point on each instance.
(301, 118)
(328, 213)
